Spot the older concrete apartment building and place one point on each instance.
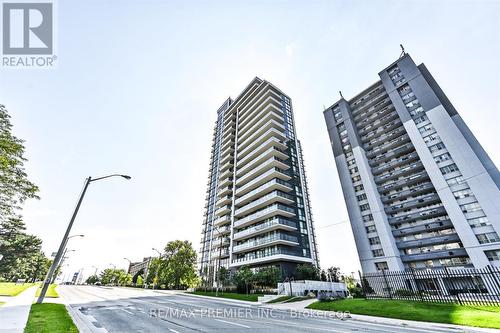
(257, 210)
(420, 190)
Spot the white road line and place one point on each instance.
(171, 330)
(228, 322)
(127, 311)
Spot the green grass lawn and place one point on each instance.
(241, 297)
(49, 318)
(12, 289)
(51, 291)
(480, 316)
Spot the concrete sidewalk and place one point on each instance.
(14, 313)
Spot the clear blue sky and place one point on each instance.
(139, 82)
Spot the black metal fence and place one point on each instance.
(467, 286)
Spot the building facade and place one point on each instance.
(420, 190)
(257, 210)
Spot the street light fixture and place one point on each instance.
(157, 268)
(55, 263)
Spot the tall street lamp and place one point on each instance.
(157, 268)
(53, 267)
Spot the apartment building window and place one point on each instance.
(471, 207)
(378, 253)
(374, 240)
(367, 218)
(364, 207)
(492, 255)
(449, 169)
(381, 266)
(352, 171)
(370, 228)
(455, 180)
(436, 147)
(341, 127)
(442, 158)
(479, 222)
(425, 128)
(430, 138)
(359, 188)
(361, 197)
(462, 194)
(490, 237)
(356, 179)
(420, 119)
(417, 111)
(351, 162)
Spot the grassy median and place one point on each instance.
(49, 318)
(13, 289)
(241, 297)
(448, 313)
(51, 291)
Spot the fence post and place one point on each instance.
(493, 277)
(362, 284)
(387, 284)
(416, 284)
(453, 286)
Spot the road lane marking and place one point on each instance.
(127, 311)
(228, 322)
(172, 330)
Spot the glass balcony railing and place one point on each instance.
(268, 224)
(265, 240)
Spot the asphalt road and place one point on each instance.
(105, 309)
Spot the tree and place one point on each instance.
(334, 273)
(223, 276)
(243, 279)
(306, 272)
(140, 281)
(178, 266)
(93, 279)
(15, 187)
(22, 255)
(267, 277)
(111, 276)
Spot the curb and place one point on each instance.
(223, 300)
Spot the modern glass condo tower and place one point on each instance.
(257, 204)
(420, 190)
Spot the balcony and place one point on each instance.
(404, 159)
(273, 210)
(222, 230)
(271, 113)
(406, 148)
(222, 220)
(412, 216)
(273, 239)
(225, 191)
(243, 159)
(273, 255)
(384, 137)
(451, 253)
(433, 225)
(425, 200)
(275, 196)
(270, 152)
(252, 143)
(415, 178)
(226, 174)
(400, 172)
(257, 171)
(412, 191)
(388, 145)
(377, 132)
(265, 177)
(428, 241)
(274, 184)
(219, 254)
(262, 134)
(225, 200)
(378, 123)
(269, 225)
(227, 165)
(258, 106)
(223, 210)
